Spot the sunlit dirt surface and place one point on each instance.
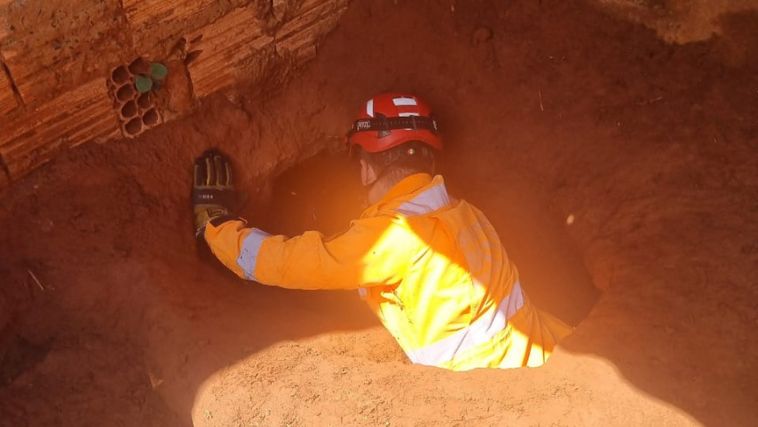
(601, 154)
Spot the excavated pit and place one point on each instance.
(605, 157)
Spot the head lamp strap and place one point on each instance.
(392, 123)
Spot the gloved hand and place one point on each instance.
(212, 191)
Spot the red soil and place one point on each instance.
(550, 109)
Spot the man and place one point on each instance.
(431, 267)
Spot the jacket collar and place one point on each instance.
(413, 195)
(408, 185)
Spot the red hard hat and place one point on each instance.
(390, 119)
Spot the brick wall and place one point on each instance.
(58, 59)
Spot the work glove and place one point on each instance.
(213, 193)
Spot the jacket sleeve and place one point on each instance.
(373, 251)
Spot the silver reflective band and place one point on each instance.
(477, 333)
(249, 253)
(428, 201)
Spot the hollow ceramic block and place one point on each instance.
(136, 111)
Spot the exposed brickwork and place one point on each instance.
(60, 55)
(49, 47)
(30, 139)
(136, 111)
(315, 18)
(231, 49)
(156, 23)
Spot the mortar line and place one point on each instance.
(19, 101)
(14, 87)
(190, 83)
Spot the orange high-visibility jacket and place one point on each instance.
(432, 268)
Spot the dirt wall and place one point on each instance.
(551, 110)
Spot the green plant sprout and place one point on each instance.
(158, 71)
(145, 83)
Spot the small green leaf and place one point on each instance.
(158, 71)
(143, 83)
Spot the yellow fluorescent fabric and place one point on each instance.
(431, 268)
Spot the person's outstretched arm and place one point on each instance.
(373, 251)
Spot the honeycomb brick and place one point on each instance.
(125, 93)
(128, 110)
(136, 111)
(151, 118)
(132, 128)
(72, 118)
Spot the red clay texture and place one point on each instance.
(606, 158)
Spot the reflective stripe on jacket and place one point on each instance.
(433, 270)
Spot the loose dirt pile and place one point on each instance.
(588, 141)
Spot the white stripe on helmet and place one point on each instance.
(404, 101)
